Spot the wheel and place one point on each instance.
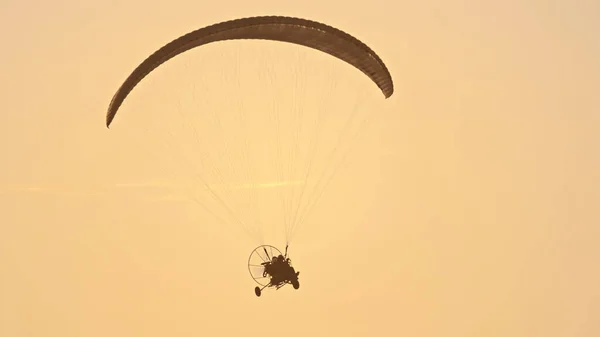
(257, 291)
(296, 284)
(258, 256)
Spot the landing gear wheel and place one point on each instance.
(296, 284)
(257, 291)
(259, 255)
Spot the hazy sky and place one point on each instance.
(469, 208)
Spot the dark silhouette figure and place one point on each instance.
(280, 271)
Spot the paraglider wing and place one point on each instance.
(276, 28)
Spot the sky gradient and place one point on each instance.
(469, 208)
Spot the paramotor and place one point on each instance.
(259, 136)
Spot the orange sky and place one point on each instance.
(467, 209)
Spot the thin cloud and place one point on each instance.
(162, 187)
(268, 184)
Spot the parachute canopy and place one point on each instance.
(276, 28)
(253, 132)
